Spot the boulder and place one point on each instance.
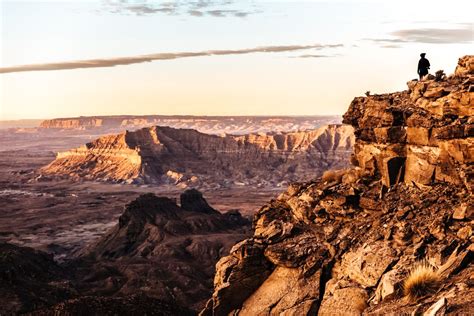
(421, 164)
(285, 292)
(388, 286)
(345, 301)
(437, 309)
(465, 66)
(366, 264)
(237, 277)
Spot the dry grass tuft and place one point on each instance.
(422, 281)
(333, 175)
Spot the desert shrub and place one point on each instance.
(333, 175)
(440, 75)
(421, 281)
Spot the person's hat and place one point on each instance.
(423, 54)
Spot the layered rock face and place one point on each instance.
(420, 135)
(343, 244)
(164, 155)
(73, 123)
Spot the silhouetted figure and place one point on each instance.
(423, 66)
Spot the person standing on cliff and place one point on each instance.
(423, 66)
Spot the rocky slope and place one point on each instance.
(164, 155)
(158, 260)
(344, 244)
(135, 305)
(32, 283)
(30, 279)
(161, 249)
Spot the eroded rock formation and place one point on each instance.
(344, 243)
(164, 155)
(158, 260)
(161, 249)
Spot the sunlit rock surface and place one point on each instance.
(164, 155)
(343, 244)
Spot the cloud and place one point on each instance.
(390, 46)
(223, 13)
(332, 46)
(436, 36)
(111, 62)
(313, 56)
(198, 8)
(218, 13)
(144, 9)
(241, 14)
(430, 36)
(195, 13)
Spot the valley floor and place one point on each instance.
(60, 217)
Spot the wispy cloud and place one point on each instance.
(313, 56)
(195, 13)
(460, 35)
(111, 62)
(197, 8)
(390, 46)
(436, 36)
(224, 13)
(144, 9)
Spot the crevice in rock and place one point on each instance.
(326, 272)
(272, 306)
(396, 169)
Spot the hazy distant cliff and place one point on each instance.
(167, 155)
(236, 125)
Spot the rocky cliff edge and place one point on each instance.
(344, 244)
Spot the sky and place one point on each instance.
(208, 57)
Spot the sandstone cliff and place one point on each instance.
(73, 123)
(343, 244)
(164, 155)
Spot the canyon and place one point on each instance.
(68, 232)
(328, 238)
(61, 213)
